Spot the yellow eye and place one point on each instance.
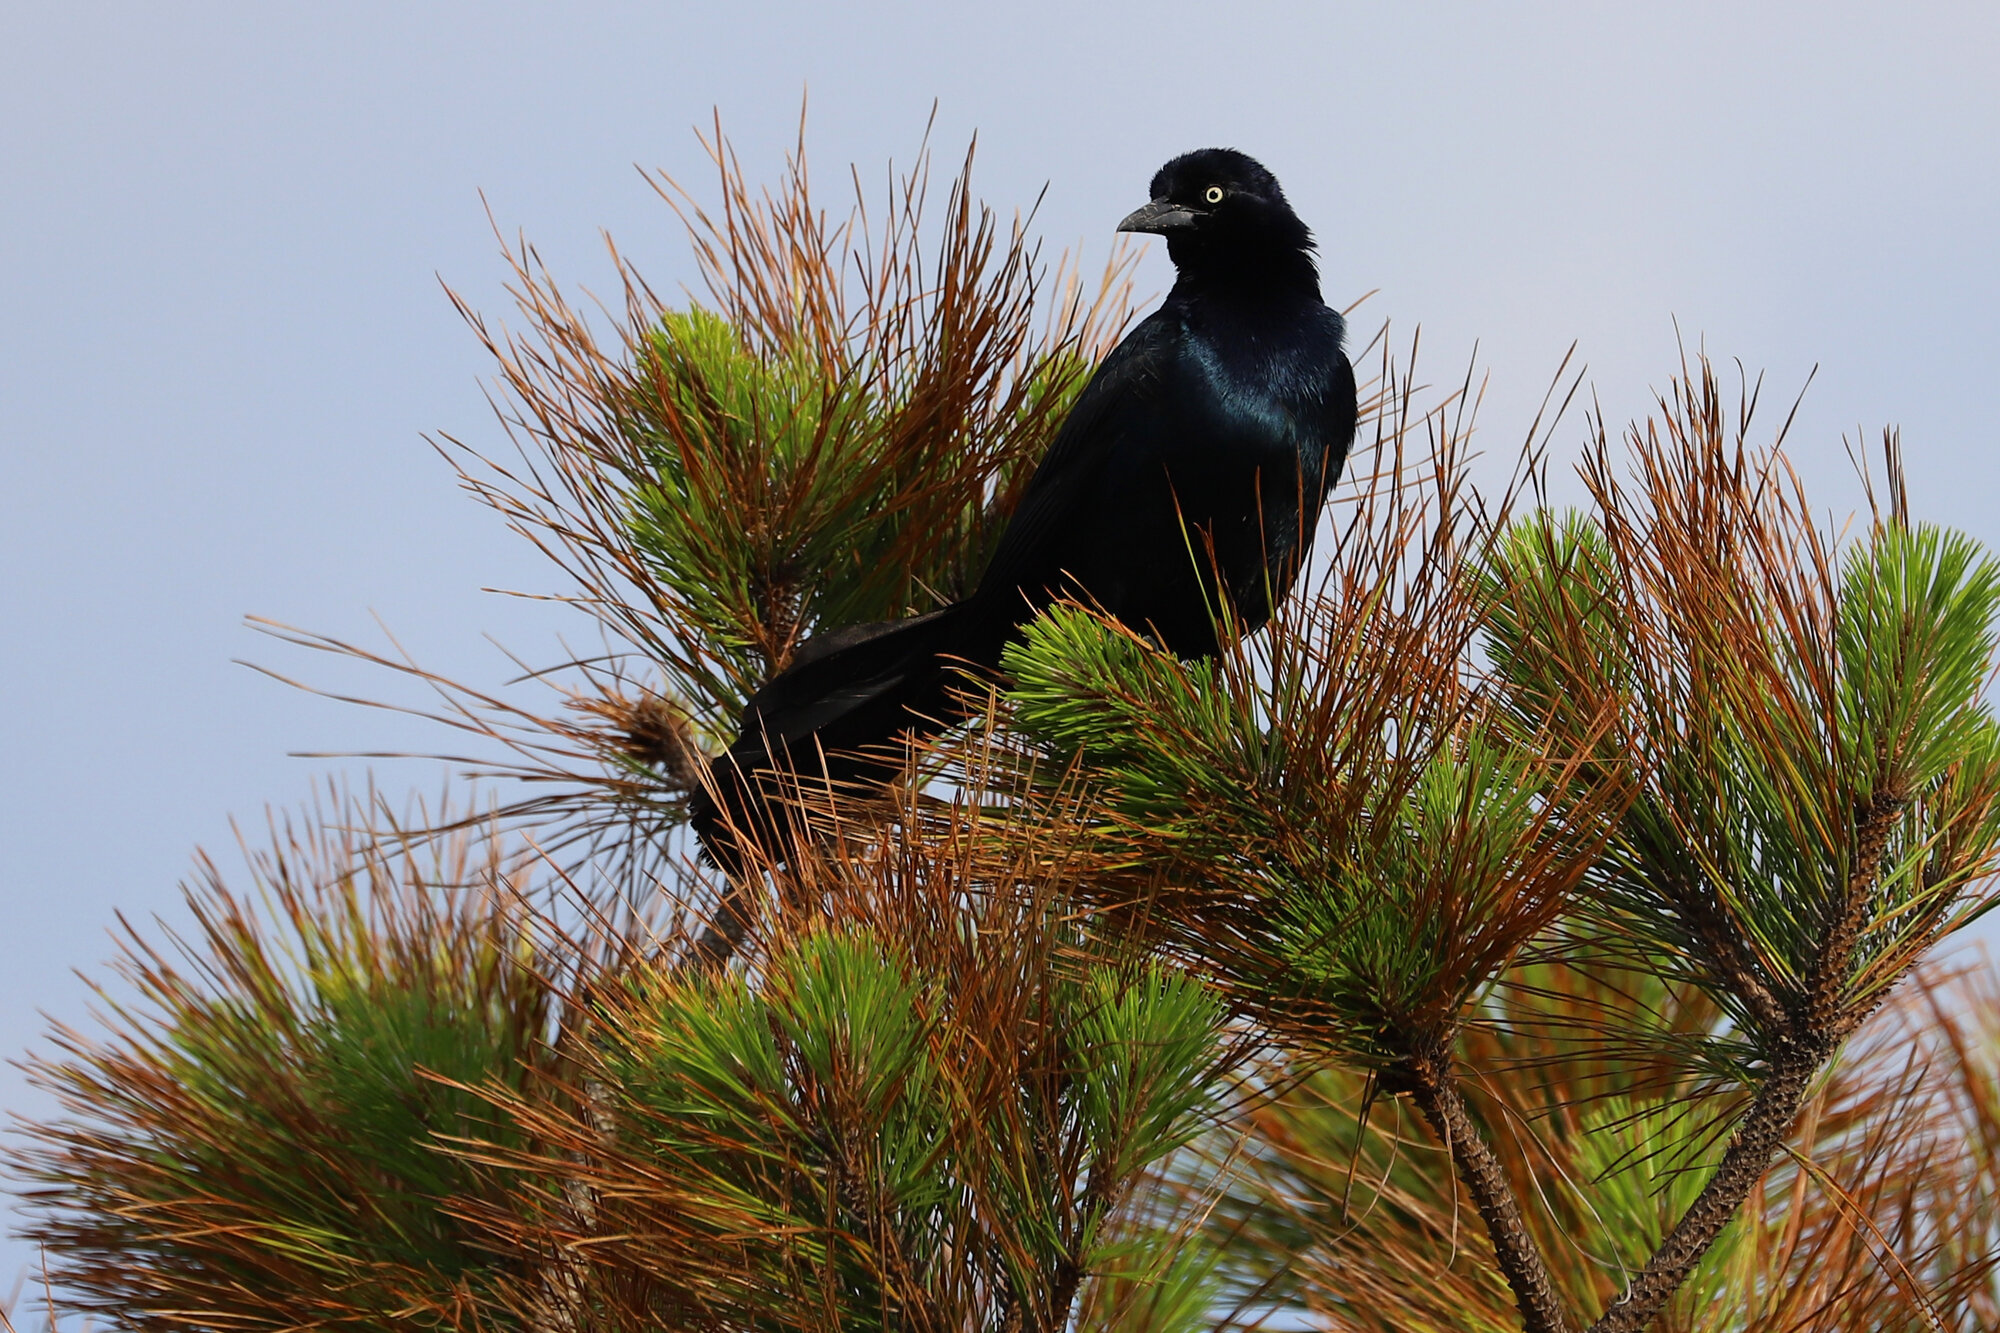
(1214, 194)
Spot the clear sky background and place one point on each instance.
(223, 227)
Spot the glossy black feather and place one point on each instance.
(1192, 467)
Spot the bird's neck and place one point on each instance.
(1256, 276)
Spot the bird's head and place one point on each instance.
(1220, 208)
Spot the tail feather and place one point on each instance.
(828, 714)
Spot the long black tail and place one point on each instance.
(828, 715)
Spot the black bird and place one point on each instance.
(1194, 462)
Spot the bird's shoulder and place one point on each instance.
(1142, 361)
(1142, 366)
(1125, 395)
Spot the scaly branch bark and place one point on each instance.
(1436, 1094)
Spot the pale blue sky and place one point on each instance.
(221, 329)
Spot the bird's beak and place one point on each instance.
(1161, 217)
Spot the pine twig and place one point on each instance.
(1436, 1094)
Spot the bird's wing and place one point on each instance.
(1341, 418)
(1066, 475)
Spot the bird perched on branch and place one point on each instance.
(1193, 464)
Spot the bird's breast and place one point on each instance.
(1254, 398)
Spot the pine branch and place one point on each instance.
(1435, 1092)
(1756, 1141)
(1810, 1035)
(1724, 949)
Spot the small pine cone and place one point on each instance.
(656, 732)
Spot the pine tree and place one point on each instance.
(1527, 929)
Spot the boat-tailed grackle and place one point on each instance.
(1194, 463)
